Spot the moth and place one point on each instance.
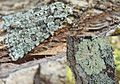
(25, 30)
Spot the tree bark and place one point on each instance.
(50, 70)
(27, 29)
(91, 59)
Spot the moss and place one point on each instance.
(117, 30)
(69, 76)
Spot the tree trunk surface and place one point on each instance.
(50, 70)
(91, 59)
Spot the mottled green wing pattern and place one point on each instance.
(28, 29)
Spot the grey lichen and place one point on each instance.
(89, 58)
(105, 48)
(101, 79)
(25, 30)
(91, 54)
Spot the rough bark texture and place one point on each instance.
(91, 60)
(28, 29)
(46, 71)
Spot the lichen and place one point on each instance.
(106, 48)
(25, 30)
(101, 79)
(91, 54)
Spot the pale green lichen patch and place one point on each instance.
(89, 55)
(106, 48)
(101, 79)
